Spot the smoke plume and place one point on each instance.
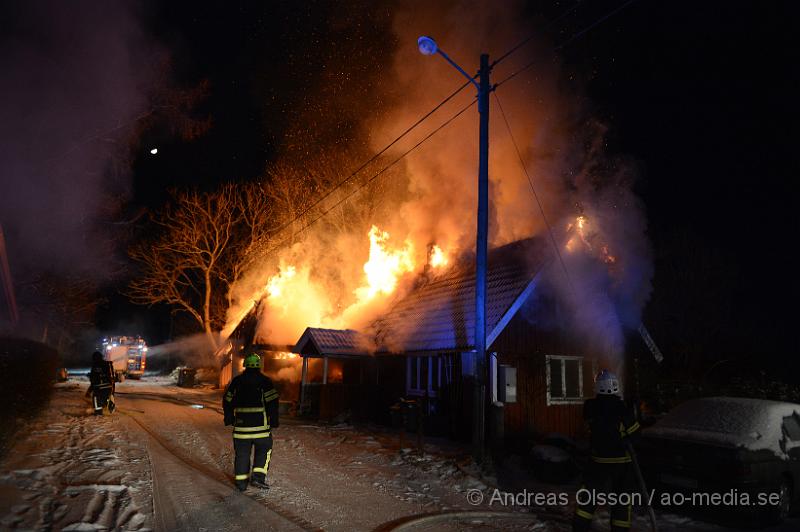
(191, 350)
(72, 88)
(608, 268)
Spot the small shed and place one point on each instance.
(340, 377)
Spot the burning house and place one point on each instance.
(277, 360)
(422, 347)
(395, 318)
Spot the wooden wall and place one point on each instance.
(368, 389)
(525, 347)
(225, 375)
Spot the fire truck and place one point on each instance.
(127, 354)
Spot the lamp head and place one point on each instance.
(427, 46)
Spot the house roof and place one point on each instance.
(319, 342)
(438, 314)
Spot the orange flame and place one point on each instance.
(438, 258)
(587, 236)
(276, 283)
(277, 286)
(580, 227)
(384, 266)
(295, 299)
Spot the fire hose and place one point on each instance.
(642, 486)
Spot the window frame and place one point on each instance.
(414, 364)
(562, 359)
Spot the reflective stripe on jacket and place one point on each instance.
(611, 424)
(101, 376)
(252, 402)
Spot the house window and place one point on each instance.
(427, 374)
(564, 380)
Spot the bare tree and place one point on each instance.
(292, 191)
(252, 234)
(205, 243)
(183, 266)
(323, 188)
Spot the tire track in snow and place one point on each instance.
(170, 399)
(210, 473)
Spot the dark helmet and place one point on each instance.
(97, 357)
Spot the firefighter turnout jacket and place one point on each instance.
(612, 427)
(101, 377)
(251, 405)
(611, 424)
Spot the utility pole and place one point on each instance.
(427, 46)
(481, 267)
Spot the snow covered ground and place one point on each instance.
(164, 462)
(71, 471)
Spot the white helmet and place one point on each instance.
(606, 383)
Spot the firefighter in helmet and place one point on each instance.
(101, 384)
(250, 404)
(610, 469)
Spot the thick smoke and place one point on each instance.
(562, 150)
(443, 172)
(608, 275)
(72, 88)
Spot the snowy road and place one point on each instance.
(190, 491)
(164, 462)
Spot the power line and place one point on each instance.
(595, 24)
(417, 123)
(427, 115)
(574, 37)
(530, 37)
(372, 159)
(374, 176)
(535, 195)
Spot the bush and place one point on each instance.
(27, 372)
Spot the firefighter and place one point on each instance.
(610, 469)
(101, 384)
(250, 404)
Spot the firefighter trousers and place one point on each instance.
(262, 452)
(601, 481)
(100, 399)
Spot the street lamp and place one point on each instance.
(427, 46)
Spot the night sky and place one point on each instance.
(699, 96)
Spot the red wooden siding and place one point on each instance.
(525, 347)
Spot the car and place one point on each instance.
(744, 450)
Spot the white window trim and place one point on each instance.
(564, 400)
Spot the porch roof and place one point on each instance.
(331, 342)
